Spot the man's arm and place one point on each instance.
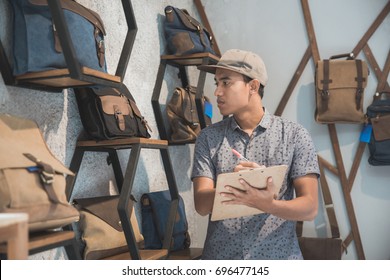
(204, 193)
(302, 208)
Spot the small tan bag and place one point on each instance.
(32, 180)
(340, 87)
(183, 115)
(101, 228)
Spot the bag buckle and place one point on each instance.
(46, 177)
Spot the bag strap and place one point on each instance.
(46, 174)
(328, 202)
(359, 79)
(325, 90)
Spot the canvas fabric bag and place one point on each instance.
(183, 116)
(101, 229)
(340, 88)
(110, 113)
(155, 208)
(36, 45)
(378, 114)
(32, 180)
(184, 34)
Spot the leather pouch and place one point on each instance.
(32, 180)
(101, 228)
(314, 248)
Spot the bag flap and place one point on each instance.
(342, 74)
(381, 127)
(112, 105)
(79, 9)
(22, 136)
(104, 207)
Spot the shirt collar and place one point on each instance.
(263, 124)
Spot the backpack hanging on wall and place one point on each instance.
(378, 115)
(340, 88)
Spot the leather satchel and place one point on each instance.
(101, 229)
(36, 44)
(110, 113)
(183, 116)
(340, 88)
(32, 180)
(155, 209)
(378, 114)
(184, 34)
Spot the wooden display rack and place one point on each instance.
(339, 170)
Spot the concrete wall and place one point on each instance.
(274, 29)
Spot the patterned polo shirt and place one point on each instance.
(275, 141)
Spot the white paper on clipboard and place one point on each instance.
(255, 177)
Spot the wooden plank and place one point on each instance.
(145, 255)
(122, 142)
(206, 23)
(186, 254)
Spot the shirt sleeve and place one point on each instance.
(305, 159)
(202, 165)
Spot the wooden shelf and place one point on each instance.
(46, 240)
(61, 78)
(186, 254)
(190, 60)
(144, 254)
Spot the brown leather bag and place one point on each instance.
(183, 115)
(32, 180)
(101, 228)
(340, 87)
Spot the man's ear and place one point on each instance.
(254, 85)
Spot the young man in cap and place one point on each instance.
(265, 140)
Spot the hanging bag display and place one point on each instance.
(36, 44)
(32, 180)
(110, 113)
(183, 116)
(340, 88)
(378, 114)
(184, 34)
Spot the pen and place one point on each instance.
(240, 156)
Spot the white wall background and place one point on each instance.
(275, 30)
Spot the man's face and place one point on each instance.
(232, 92)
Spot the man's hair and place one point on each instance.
(261, 87)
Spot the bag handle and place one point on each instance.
(349, 56)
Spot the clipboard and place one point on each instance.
(256, 177)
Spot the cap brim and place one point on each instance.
(213, 68)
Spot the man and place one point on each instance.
(266, 140)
